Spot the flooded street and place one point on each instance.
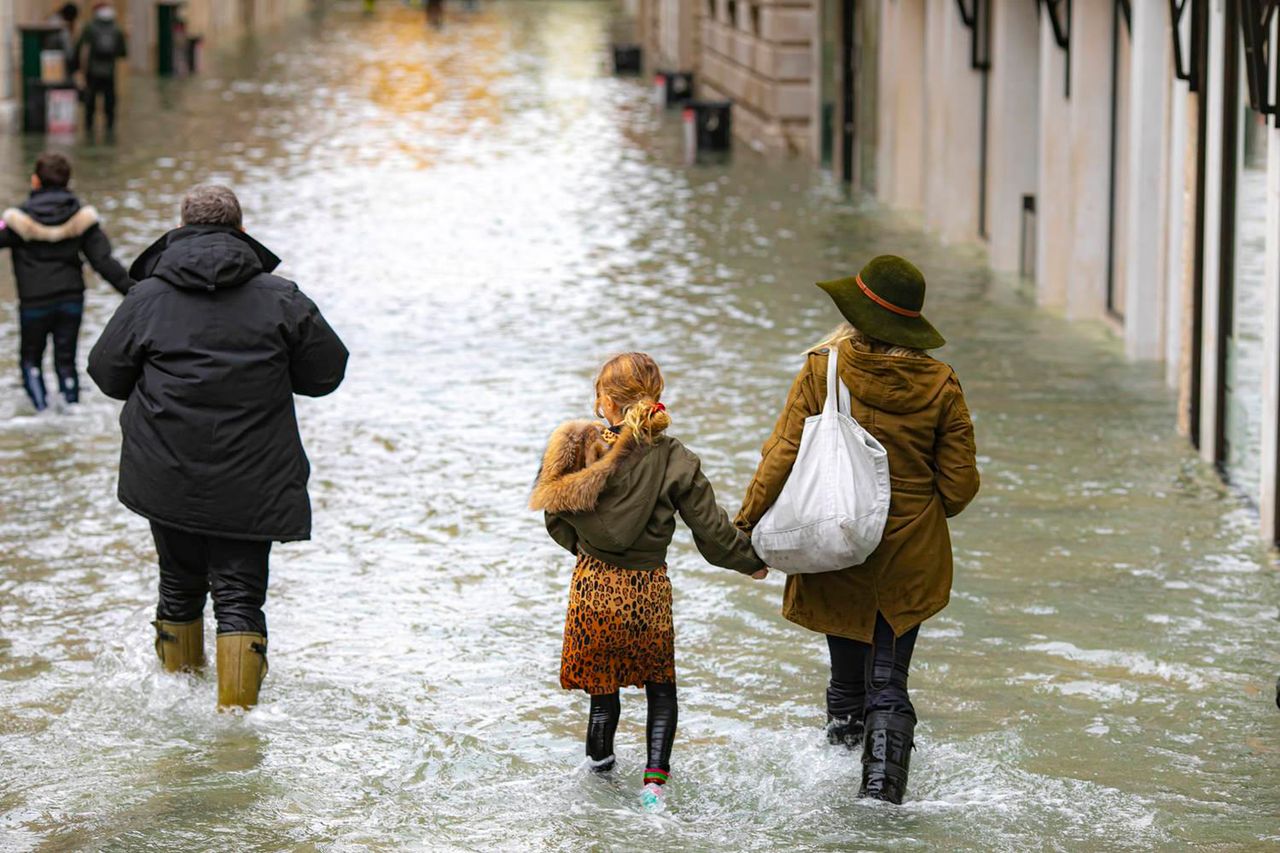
(484, 215)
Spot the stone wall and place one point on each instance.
(761, 56)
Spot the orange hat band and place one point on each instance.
(884, 303)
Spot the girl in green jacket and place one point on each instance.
(611, 491)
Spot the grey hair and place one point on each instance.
(211, 204)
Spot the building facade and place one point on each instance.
(1121, 156)
(216, 21)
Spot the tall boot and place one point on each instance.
(180, 645)
(886, 755)
(242, 664)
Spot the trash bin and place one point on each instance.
(627, 59)
(677, 86)
(49, 107)
(708, 126)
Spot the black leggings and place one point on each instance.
(660, 730)
(866, 678)
(61, 321)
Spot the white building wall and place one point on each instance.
(1054, 214)
(1013, 157)
(953, 126)
(900, 156)
(1180, 217)
(1151, 59)
(1090, 157)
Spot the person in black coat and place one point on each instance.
(102, 44)
(50, 237)
(208, 350)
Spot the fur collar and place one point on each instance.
(577, 464)
(37, 232)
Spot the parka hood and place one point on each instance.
(204, 257)
(608, 488)
(894, 383)
(577, 465)
(51, 206)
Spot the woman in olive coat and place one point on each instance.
(871, 614)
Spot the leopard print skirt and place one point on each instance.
(618, 632)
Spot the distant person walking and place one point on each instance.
(611, 490)
(207, 351)
(50, 236)
(101, 46)
(65, 18)
(872, 613)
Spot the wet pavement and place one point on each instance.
(484, 215)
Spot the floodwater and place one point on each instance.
(485, 214)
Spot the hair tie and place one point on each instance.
(658, 407)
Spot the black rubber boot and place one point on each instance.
(844, 714)
(602, 723)
(886, 755)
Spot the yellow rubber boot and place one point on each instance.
(242, 664)
(180, 645)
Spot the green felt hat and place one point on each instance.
(884, 302)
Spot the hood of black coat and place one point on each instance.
(51, 206)
(204, 257)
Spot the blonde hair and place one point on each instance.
(633, 382)
(854, 337)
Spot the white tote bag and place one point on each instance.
(832, 510)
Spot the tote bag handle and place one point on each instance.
(837, 394)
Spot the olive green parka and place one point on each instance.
(618, 501)
(914, 406)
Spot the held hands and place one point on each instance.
(760, 575)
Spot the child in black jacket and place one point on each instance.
(49, 235)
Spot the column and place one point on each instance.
(1271, 343)
(1089, 151)
(1014, 145)
(1147, 169)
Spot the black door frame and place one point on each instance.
(1120, 13)
(1199, 80)
(1227, 227)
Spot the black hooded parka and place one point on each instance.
(208, 350)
